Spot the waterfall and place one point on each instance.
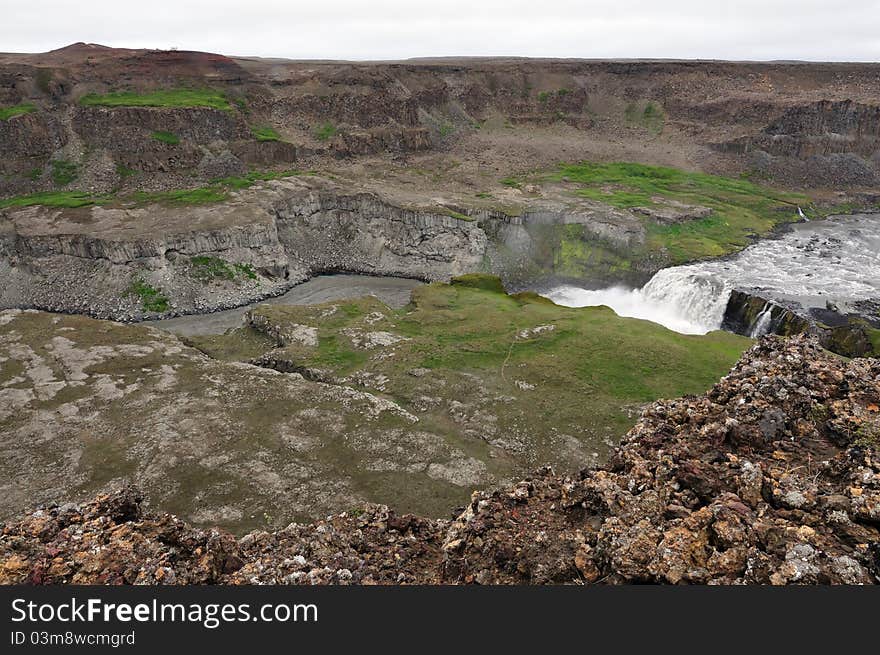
(762, 323)
(696, 295)
(682, 299)
(815, 262)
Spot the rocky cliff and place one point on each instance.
(264, 240)
(727, 117)
(772, 477)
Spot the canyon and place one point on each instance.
(266, 292)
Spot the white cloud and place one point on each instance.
(394, 29)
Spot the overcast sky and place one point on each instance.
(843, 30)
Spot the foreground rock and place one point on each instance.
(772, 477)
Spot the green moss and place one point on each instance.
(211, 268)
(166, 137)
(159, 98)
(152, 299)
(17, 110)
(457, 215)
(482, 281)
(198, 196)
(63, 172)
(207, 268)
(265, 133)
(247, 270)
(742, 210)
(874, 337)
(325, 132)
(580, 255)
(68, 199)
(217, 191)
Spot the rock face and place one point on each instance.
(772, 477)
(821, 112)
(827, 143)
(850, 335)
(85, 260)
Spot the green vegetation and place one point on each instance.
(198, 196)
(151, 298)
(17, 110)
(211, 268)
(166, 137)
(512, 182)
(325, 132)
(741, 209)
(63, 172)
(651, 116)
(68, 199)
(207, 269)
(265, 134)
(534, 366)
(481, 281)
(456, 214)
(159, 98)
(217, 191)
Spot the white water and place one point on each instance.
(632, 303)
(835, 260)
(762, 323)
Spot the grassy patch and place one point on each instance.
(741, 209)
(246, 270)
(265, 134)
(63, 172)
(511, 182)
(217, 191)
(211, 268)
(325, 132)
(207, 269)
(152, 299)
(68, 199)
(539, 368)
(17, 110)
(457, 215)
(166, 137)
(480, 281)
(160, 98)
(198, 196)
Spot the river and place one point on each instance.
(393, 291)
(829, 263)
